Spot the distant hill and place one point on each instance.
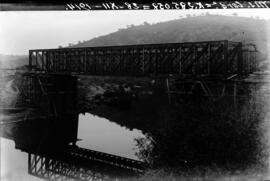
(12, 61)
(189, 29)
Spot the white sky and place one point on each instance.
(24, 30)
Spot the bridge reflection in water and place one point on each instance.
(53, 155)
(47, 130)
(82, 164)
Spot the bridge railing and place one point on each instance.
(210, 57)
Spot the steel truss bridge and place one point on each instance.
(194, 58)
(217, 68)
(220, 59)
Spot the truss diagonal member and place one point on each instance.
(41, 86)
(184, 59)
(197, 58)
(205, 87)
(213, 56)
(223, 91)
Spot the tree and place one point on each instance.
(146, 23)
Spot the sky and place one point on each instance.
(24, 30)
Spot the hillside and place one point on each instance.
(191, 28)
(12, 61)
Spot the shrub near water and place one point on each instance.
(207, 135)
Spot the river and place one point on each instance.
(94, 133)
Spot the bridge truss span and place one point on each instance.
(199, 58)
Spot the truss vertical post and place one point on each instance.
(36, 58)
(30, 60)
(240, 59)
(143, 61)
(208, 59)
(256, 63)
(180, 60)
(29, 163)
(225, 58)
(42, 60)
(168, 89)
(194, 68)
(84, 61)
(235, 95)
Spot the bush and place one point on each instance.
(206, 133)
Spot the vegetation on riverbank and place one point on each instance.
(212, 138)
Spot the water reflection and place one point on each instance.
(52, 151)
(48, 132)
(14, 165)
(135, 122)
(102, 135)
